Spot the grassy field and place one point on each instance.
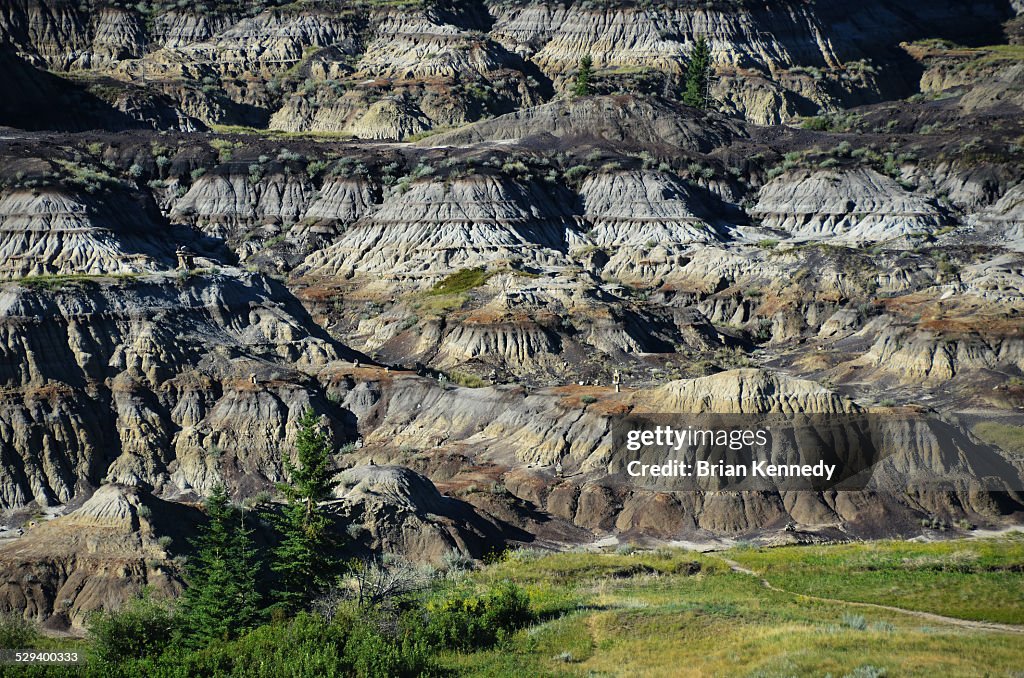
(677, 613)
(461, 281)
(670, 612)
(979, 580)
(1005, 437)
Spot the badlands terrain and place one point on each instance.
(401, 216)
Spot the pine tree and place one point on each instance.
(302, 559)
(584, 76)
(698, 75)
(221, 600)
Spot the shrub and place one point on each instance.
(225, 149)
(371, 653)
(464, 622)
(307, 645)
(143, 627)
(455, 560)
(467, 380)
(576, 173)
(818, 123)
(16, 632)
(421, 170)
(517, 167)
(315, 167)
(855, 621)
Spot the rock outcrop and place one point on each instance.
(437, 227)
(855, 206)
(397, 510)
(58, 232)
(96, 557)
(138, 381)
(1004, 220)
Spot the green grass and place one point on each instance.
(673, 612)
(427, 133)
(461, 281)
(439, 305)
(52, 282)
(467, 380)
(1005, 437)
(966, 579)
(678, 613)
(280, 134)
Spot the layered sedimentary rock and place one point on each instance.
(96, 557)
(436, 227)
(858, 205)
(633, 208)
(468, 60)
(615, 118)
(440, 75)
(567, 456)
(223, 204)
(61, 232)
(339, 203)
(138, 381)
(1005, 219)
(553, 246)
(644, 220)
(746, 391)
(771, 63)
(397, 510)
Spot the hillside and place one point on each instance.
(413, 220)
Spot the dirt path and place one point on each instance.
(928, 616)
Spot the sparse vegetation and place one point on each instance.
(16, 632)
(51, 282)
(467, 380)
(461, 281)
(87, 177)
(1004, 436)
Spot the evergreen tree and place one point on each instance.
(698, 75)
(584, 76)
(303, 559)
(221, 600)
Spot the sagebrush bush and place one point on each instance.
(16, 632)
